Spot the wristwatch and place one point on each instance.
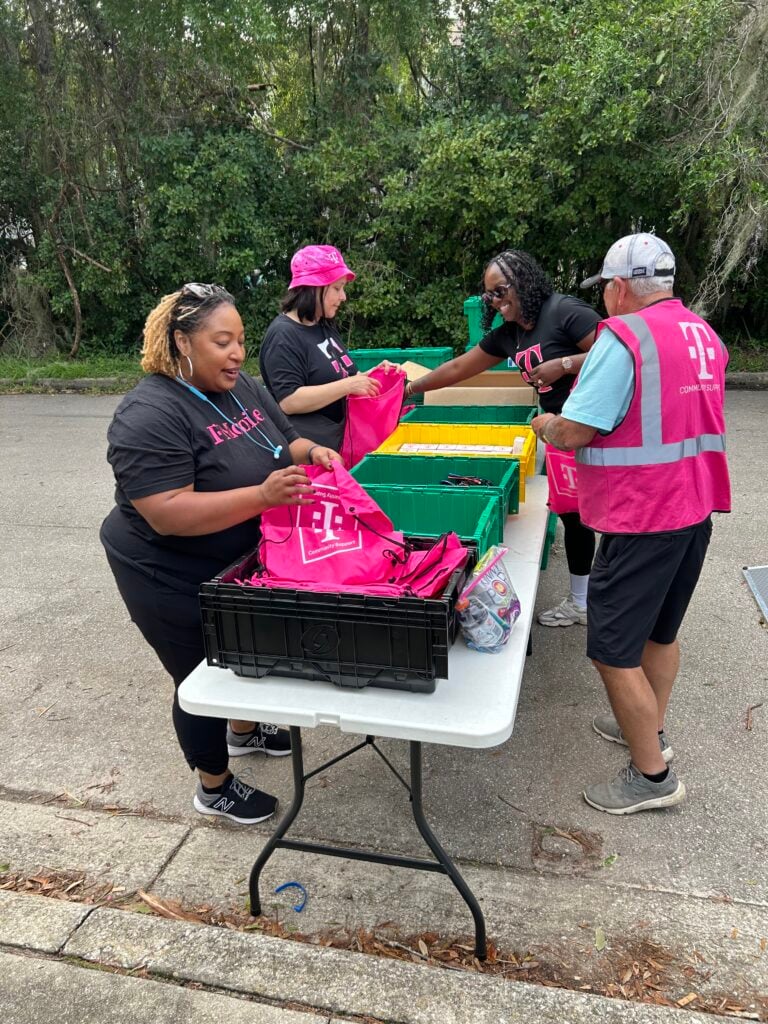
(567, 363)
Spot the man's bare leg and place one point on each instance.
(636, 709)
(660, 663)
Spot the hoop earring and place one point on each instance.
(191, 370)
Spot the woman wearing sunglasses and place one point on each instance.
(548, 336)
(303, 361)
(199, 450)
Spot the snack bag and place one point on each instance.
(488, 606)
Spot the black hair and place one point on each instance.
(531, 283)
(304, 300)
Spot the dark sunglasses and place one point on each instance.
(496, 293)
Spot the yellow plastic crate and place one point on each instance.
(465, 439)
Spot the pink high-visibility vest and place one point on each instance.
(663, 467)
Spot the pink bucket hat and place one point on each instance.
(318, 265)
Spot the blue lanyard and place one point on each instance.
(270, 446)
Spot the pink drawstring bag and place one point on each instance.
(343, 542)
(562, 480)
(343, 537)
(372, 418)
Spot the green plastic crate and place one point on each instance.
(549, 539)
(428, 471)
(471, 414)
(431, 512)
(432, 357)
(473, 311)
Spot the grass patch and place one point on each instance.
(61, 368)
(19, 375)
(28, 376)
(748, 359)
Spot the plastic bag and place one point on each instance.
(488, 606)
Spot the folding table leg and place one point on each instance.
(297, 760)
(481, 951)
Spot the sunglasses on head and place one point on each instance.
(201, 291)
(496, 293)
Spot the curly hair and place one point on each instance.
(531, 283)
(184, 311)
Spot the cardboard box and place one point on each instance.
(505, 387)
(495, 379)
(460, 394)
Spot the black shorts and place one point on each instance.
(639, 590)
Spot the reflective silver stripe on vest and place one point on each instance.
(652, 452)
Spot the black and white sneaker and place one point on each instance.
(236, 801)
(264, 739)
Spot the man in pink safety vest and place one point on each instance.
(646, 420)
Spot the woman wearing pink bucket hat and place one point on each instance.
(303, 361)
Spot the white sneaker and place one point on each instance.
(564, 614)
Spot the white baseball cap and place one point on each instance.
(640, 255)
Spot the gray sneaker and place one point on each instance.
(630, 791)
(564, 614)
(263, 739)
(607, 727)
(236, 801)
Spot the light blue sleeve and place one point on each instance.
(605, 385)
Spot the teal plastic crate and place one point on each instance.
(431, 512)
(472, 414)
(431, 357)
(428, 471)
(473, 311)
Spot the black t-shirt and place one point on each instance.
(162, 437)
(562, 322)
(295, 355)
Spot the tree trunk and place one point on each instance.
(75, 300)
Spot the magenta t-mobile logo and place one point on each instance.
(568, 472)
(699, 350)
(340, 361)
(527, 362)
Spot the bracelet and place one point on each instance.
(309, 453)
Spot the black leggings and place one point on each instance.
(579, 544)
(169, 620)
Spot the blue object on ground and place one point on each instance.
(298, 907)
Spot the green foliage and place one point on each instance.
(144, 146)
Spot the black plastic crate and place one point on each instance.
(352, 640)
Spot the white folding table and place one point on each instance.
(474, 707)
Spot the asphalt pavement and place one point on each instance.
(91, 782)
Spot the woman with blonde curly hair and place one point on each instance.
(199, 450)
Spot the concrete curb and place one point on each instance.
(311, 977)
(552, 918)
(48, 991)
(543, 915)
(742, 381)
